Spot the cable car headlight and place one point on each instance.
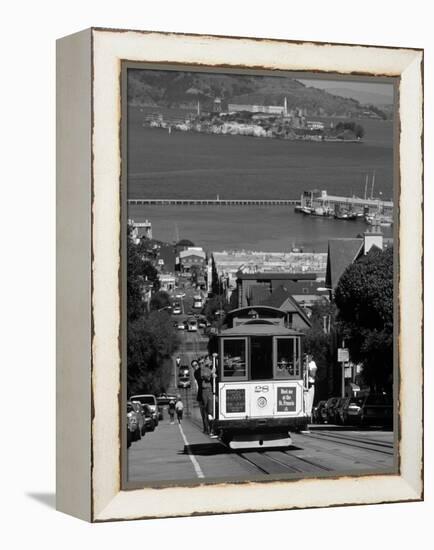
(262, 402)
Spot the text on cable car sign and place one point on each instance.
(286, 399)
(236, 401)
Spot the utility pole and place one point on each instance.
(343, 357)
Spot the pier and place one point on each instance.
(315, 198)
(330, 200)
(215, 202)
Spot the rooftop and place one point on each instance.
(282, 275)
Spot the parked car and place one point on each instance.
(148, 418)
(377, 410)
(135, 421)
(201, 321)
(181, 325)
(148, 399)
(129, 433)
(350, 411)
(317, 413)
(329, 409)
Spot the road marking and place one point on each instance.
(195, 463)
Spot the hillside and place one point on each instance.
(362, 96)
(173, 89)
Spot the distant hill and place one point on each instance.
(362, 96)
(173, 89)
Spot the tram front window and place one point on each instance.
(234, 358)
(287, 358)
(261, 358)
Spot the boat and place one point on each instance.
(321, 211)
(382, 220)
(345, 215)
(306, 210)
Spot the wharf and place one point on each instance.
(214, 202)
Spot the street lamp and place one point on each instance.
(326, 289)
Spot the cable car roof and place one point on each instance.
(259, 330)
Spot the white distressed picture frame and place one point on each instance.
(89, 265)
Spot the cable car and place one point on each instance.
(260, 384)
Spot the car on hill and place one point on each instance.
(135, 422)
(176, 309)
(148, 418)
(148, 399)
(318, 416)
(338, 410)
(197, 302)
(184, 377)
(329, 409)
(350, 411)
(192, 325)
(377, 410)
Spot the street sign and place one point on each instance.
(343, 355)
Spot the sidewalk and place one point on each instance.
(180, 453)
(159, 456)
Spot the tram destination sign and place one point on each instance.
(286, 399)
(236, 401)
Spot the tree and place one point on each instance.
(321, 342)
(151, 343)
(364, 297)
(151, 339)
(160, 300)
(140, 274)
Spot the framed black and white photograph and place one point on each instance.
(242, 315)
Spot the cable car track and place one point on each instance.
(305, 460)
(341, 436)
(369, 447)
(258, 460)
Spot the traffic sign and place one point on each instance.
(343, 355)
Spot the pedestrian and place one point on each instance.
(197, 368)
(207, 375)
(179, 407)
(171, 409)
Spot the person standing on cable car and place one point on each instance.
(197, 368)
(207, 393)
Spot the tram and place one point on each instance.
(260, 383)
